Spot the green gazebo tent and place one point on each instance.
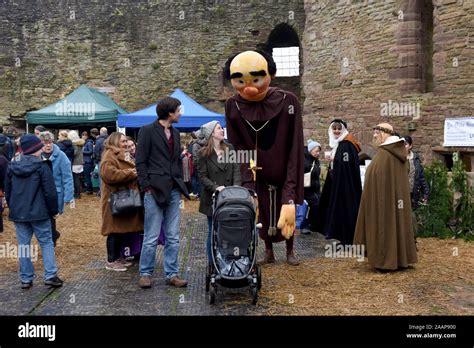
(84, 106)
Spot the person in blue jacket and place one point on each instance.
(31, 196)
(62, 175)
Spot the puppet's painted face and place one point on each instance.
(249, 75)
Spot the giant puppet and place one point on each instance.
(267, 120)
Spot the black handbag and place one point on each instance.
(125, 202)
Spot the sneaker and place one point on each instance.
(26, 285)
(305, 231)
(175, 281)
(145, 282)
(124, 262)
(115, 266)
(55, 282)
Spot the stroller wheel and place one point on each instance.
(212, 295)
(259, 277)
(254, 293)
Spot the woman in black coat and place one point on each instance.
(340, 199)
(214, 171)
(65, 145)
(312, 193)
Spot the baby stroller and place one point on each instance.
(234, 243)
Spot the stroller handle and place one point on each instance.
(251, 191)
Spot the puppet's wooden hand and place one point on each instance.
(287, 221)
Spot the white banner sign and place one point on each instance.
(459, 131)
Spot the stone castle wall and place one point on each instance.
(141, 49)
(359, 55)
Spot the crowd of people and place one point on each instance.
(40, 175)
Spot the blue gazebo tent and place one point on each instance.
(193, 117)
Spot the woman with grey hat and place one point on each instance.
(214, 171)
(312, 189)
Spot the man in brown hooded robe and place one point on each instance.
(267, 120)
(384, 222)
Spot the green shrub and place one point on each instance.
(434, 216)
(449, 212)
(463, 207)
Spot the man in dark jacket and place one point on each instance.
(11, 133)
(160, 177)
(99, 144)
(87, 153)
(7, 145)
(31, 196)
(94, 134)
(98, 148)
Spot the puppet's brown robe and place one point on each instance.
(280, 149)
(384, 224)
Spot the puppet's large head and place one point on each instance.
(250, 73)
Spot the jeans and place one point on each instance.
(100, 180)
(42, 230)
(54, 232)
(88, 169)
(154, 217)
(209, 236)
(196, 184)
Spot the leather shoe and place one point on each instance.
(145, 282)
(175, 281)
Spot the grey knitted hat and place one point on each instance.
(207, 129)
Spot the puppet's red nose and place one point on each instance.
(251, 91)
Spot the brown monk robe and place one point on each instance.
(384, 223)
